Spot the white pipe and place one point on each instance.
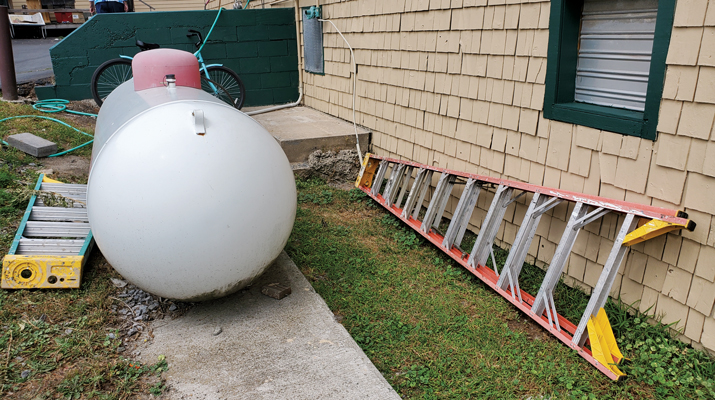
(300, 73)
(280, 107)
(354, 74)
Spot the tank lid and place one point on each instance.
(151, 67)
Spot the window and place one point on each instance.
(606, 63)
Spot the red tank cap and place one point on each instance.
(151, 67)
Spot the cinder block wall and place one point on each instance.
(260, 45)
(460, 84)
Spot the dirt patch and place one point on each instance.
(67, 166)
(530, 328)
(335, 168)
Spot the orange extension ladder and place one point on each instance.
(405, 192)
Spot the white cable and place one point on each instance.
(354, 74)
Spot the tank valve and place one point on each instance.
(170, 81)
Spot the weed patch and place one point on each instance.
(59, 343)
(437, 332)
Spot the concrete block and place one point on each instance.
(684, 46)
(696, 120)
(702, 295)
(672, 151)
(255, 65)
(707, 49)
(31, 144)
(272, 48)
(672, 312)
(276, 290)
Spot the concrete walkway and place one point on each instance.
(267, 349)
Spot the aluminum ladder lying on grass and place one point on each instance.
(52, 243)
(404, 194)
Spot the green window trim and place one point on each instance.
(562, 55)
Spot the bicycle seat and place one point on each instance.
(147, 46)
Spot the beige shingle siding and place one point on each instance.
(460, 84)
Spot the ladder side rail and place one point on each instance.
(600, 293)
(563, 250)
(490, 226)
(423, 193)
(641, 210)
(412, 197)
(405, 185)
(25, 217)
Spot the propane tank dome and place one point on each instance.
(188, 198)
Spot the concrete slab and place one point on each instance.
(31, 144)
(302, 130)
(267, 349)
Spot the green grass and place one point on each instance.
(437, 332)
(55, 343)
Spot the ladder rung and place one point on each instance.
(49, 246)
(58, 214)
(64, 188)
(55, 229)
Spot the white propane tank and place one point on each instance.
(188, 198)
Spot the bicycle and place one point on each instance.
(221, 82)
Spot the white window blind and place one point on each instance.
(615, 47)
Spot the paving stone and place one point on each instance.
(31, 144)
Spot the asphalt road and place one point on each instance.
(32, 58)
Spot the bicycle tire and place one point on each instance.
(221, 93)
(229, 82)
(108, 76)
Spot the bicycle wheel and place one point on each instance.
(217, 90)
(108, 76)
(229, 82)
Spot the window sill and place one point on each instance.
(627, 122)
